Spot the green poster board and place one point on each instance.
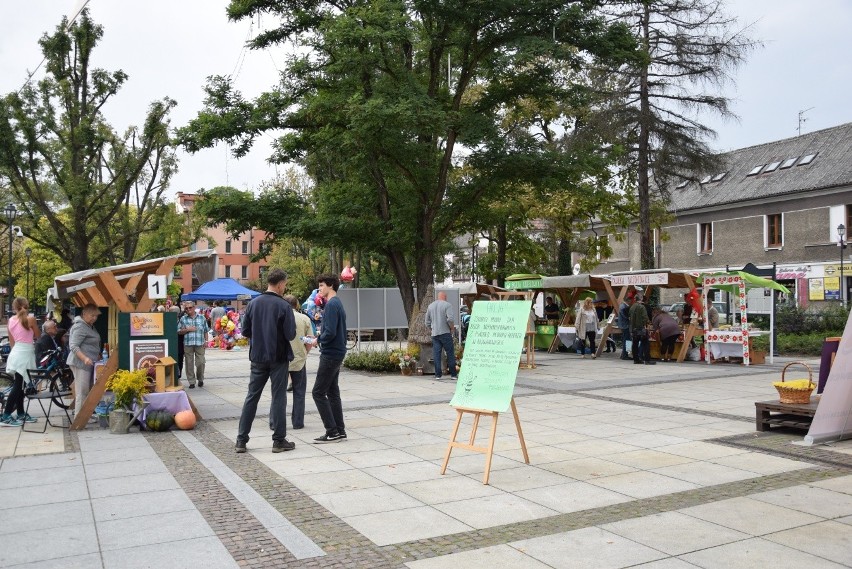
(491, 355)
(168, 333)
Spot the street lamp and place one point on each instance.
(841, 242)
(11, 213)
(27, 253)
(35, 285)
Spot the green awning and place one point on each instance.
(752, 281)
(523, 282)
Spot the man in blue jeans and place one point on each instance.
(439, 318)
(270, 326)
(332, 343)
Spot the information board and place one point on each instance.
(493, 347)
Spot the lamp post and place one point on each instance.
(841, 242)
(11, 213)
(35, 286)
(27, 253)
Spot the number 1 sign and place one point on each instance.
(156, 286)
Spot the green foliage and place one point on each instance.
(403, 152)
(375, 361)
(800, 344)
(85, 192)
(829, 320)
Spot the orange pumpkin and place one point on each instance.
(185, 420)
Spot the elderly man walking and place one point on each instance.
(193, 327)
(439, 318)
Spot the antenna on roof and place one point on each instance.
(802, 119)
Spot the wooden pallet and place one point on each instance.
(774, 413)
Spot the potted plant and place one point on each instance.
(407, 364)
(127, 388)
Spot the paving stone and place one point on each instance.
(756, 552)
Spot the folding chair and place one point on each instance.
(45, 384)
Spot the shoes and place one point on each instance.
(281, 446)
(332, 437)
(192, 386)
(650, 363)
(295, 428)
(625, 357)
(584, 356)
(341, 433)
(454, 378)
(290, 387)
(594, 356)
(200, 383)
(438, 378)
(26, 418)
(638, 363)
(240, 447)
(9, 421)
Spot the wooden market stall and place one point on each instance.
(736, 340)
(569, 288)
(123, 289)
(647, 280)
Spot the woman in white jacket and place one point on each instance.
(587, 325)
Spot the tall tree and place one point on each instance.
(689, 49)
(85, 192)
(388, 98)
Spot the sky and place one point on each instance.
(169, 48)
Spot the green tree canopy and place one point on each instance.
(383, 100)
(85, 192)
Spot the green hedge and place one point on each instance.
(794, 344)
(372, 360)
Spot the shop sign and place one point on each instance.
(831, 286)
(816, 289)
(645, 279)
(791, 272)
(144, 353)
(832, 270)
(147, 324)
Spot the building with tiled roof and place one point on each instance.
(778, 203)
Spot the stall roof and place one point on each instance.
(751, 281)
(96, 285)
(478, 289)
(221, 289)
(675, 278)
(584, 281)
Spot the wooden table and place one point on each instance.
(774, 413)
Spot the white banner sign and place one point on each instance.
(640, 280)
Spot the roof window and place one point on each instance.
(788, 162)
(705, 179)
(772, 167)
(718, 177)
(806, 160)
(756, 170)
(682, 184)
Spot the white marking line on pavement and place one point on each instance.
(296, 542)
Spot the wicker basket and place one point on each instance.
(799, 394)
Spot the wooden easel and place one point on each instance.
(489, 450)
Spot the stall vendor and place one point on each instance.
(667, 331)
(551, 309)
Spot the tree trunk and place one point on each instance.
(501, 254)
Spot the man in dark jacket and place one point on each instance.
(332, 342)
(638, 329)
(269, 325)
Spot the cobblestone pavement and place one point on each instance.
(630, 467)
